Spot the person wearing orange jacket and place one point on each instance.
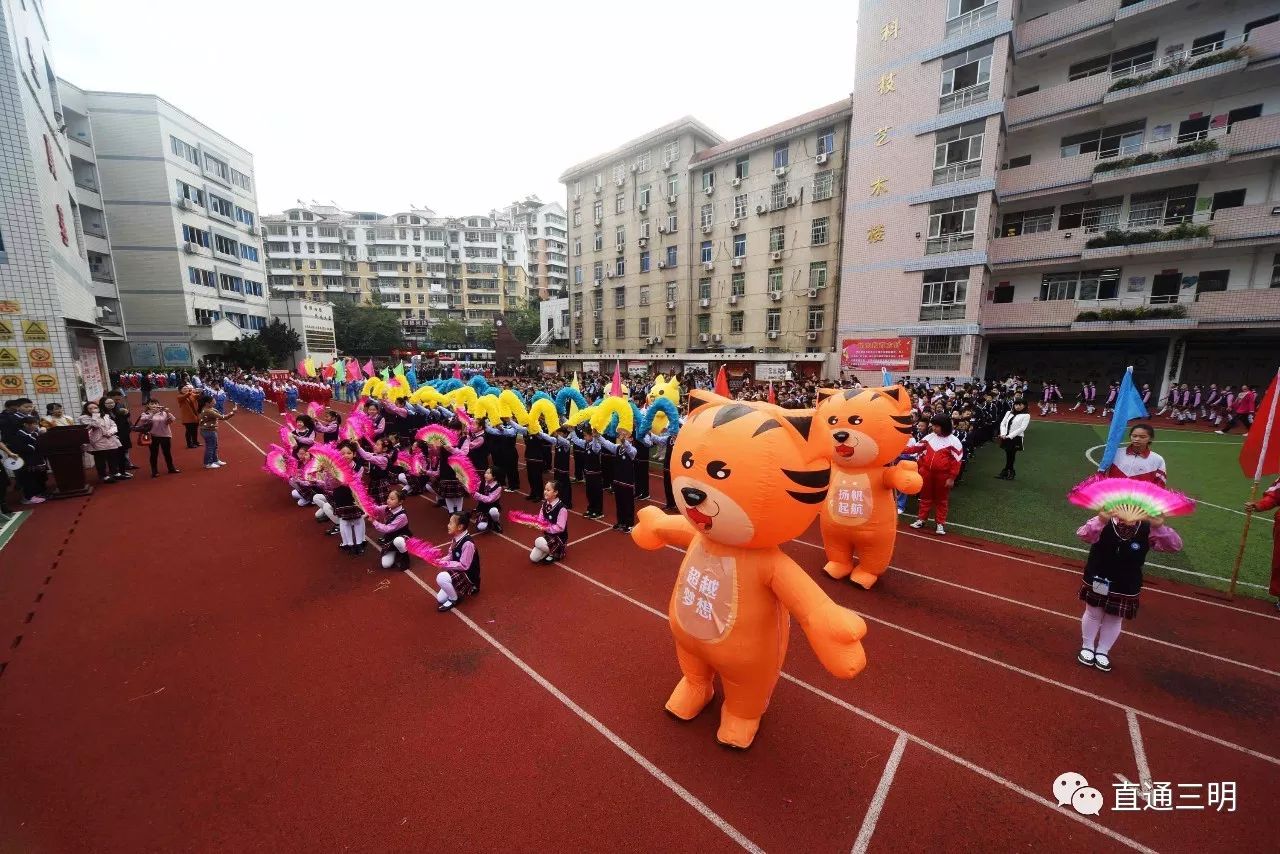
(1271, 499)
(189, 414)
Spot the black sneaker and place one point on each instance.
(446, 605)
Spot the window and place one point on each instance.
(670, 151)
(951, 224)
(740, 206)
(778, 196)
(642, 196)
(708, 179)
(242, 180)
(773, 321)
(577, 218)
(1117, 140)
(1081, 284)
(244, 216)
(704, 323)
(739, 246)
(230, 283)
(248, 253)
(644, 228)
(672, 223)
(705, 255)
(599, 241)
(673, 185)
(671, 291)
(735, 323)
(1117, 63)
(781, 156)
(577, 247)
(826, 141)
(620, 328)
(1275, 270)
(619, 203)
(670, 325)
(775, 280)
(619, 297)
(186, 191)
(217, 167)
(221, 206)
(1172, 206)
(620, 267)
(644, 300)
(642, 161)
(1212, 280)
(1018, 162)
(191, 234)
(207, 317)
(197, 276)
(816, 318)
(966, 77)
(597, 211)
(185, 151)
(597, 271)
(1027, 222)
(644, 261)
(957, 152)
(706, 216)
(817, 275)
(644, 325)
(704, 289)
(964, 15)
(818, 233)
(1093, 215)
(1227, 199)
(742, 166)
(777, 238)
(937, 353)
(943, 293)
(620, 236)
(822, 184)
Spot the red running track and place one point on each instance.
(185, 681)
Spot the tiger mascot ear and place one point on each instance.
(824, 393)
(701, 397)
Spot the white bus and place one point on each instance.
(467, 360)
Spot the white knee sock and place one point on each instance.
(296, 495)
(540, 549)
(359, 525)
(453, 505)
(388, 560)
(320, 514)
(494, 514)
(348, 529)
(482, 525)
(1089, 625)
(445, 583)
(400, 545)
(1111, 625)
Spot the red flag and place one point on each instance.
(1261, 452)
(773, 398)
(367, 367)
(328, 372)
(302, 367)
(722, 383)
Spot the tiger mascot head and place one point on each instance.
(863, 428)
(745, 474)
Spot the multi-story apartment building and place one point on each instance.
(546, 229)
(630, 244)
(767, 220)
(55, 311)
(1061, 189)
(180, 204)
(426, 267)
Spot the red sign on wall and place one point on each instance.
(873, 354)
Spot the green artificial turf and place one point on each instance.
(1201, 464)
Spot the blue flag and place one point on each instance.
(1128, 407)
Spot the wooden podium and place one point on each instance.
(61, 446)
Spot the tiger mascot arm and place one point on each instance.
(834, 632)
(904, 477)
(655, 529)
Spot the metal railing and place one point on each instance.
(1175, 60)
(948, 243)
(975, 94)
(956, 172)
(969, 20)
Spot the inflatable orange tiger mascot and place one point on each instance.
(864, 430)
(745, 480)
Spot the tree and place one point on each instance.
(281, 341)
(250, 352)
(366, 329)
(448, 333)
(481, 336)
(526, 323)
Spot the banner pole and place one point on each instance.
(1257, 478)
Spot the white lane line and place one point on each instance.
(656, 772)
(1139, 752)
(907, 532)
(1075, 617)
(882, 793)
(1088, 455)
(588, 536)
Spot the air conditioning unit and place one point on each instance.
(644, 242)
(596, 282)
(737, 262)
(577, 314)
(619, 181)
(822, 157)
(773, 334)
(608, 274)
(776, 296)
(651, 341)
(662, 265)
(187, 204)
(776, 256)
(595, 315)
(708, 266)
(703, 337)
(577, 342)
(671, 200)
(733, 224)
(671, 305)
(635, 167)
(717, 337)
(643, 207)
(737, 182)
(791, 200)
(658, 340)
(595, 341)
(705, 302)
(780, 171)
(706, 229)
(621, 248)
(709, 190)
(190, 248)
(733, 299)
(813, 292)
(760, 210)
(599, 220)
(666, 165)
(662, 229)
(577, 198)
(599, 189)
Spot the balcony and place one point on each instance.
(1255, 305)
(1057, 101)
(1218, 309)
(1077, 20)
(1230, 226)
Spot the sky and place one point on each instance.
(460, 107)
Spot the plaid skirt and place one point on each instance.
(450, 488)
(463, 584)
(380, 485)
(1120, 604)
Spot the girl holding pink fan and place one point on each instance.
(1129, 523)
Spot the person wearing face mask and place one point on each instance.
(104, 444)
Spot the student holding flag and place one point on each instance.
(1126, 405)
(1261, 456)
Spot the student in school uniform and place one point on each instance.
(392, 523)
(1270, 500)
(459, 573)
(561, 454)
(623, 454)
(537, 453)
(488, 498)
(593, 471)
(551, 546)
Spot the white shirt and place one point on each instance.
(1014, 424)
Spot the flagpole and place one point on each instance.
(1257, 478)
